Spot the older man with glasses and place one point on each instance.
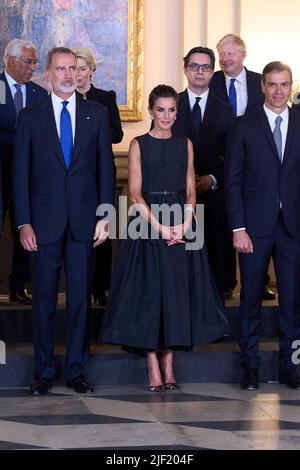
(205, 119)
(20, 60)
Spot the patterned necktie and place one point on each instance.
(277, 136)
(232, 96)
(197, 119)
(18, 98)
(66, 136)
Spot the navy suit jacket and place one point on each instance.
(46, 194)
(34, 94)
(108, 99)
(1, 199)
(256, 97)
(209, 157)
(255, 179)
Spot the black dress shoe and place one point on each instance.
(20, 297)
(40, 386)
(268, 294)
(80, 385)
(100, 298)
(250, 379)
(290, 378)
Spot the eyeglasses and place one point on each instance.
(196, 67)
(27, 62)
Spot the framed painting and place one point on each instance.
(113, 29)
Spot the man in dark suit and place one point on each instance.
(262, 174)
(63, 170)
(205, 119)
(241, 88)
(20, 62)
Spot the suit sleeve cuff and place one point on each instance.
(215, 183)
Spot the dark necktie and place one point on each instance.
(232, 96)
(197, 119)
(66, 136)
(277, 136)
(18, 98)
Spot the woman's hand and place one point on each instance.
(172, 235)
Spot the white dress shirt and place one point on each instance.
(283, 126)
(57, 108)
(202, 103)
(11, 82)
(241, 91)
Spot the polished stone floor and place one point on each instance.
(197, 416)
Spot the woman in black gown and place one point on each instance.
(162, 296)
(86, 65)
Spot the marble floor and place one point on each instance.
(197, 416)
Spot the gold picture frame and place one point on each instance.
(133, 109)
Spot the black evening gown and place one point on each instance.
(162, 296)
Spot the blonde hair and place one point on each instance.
(86, 54)
(235, 39)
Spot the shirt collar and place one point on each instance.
(192, 96)
(56, 100)
(241, 77)
(11, 81)
(272, 116)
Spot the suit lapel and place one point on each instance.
(264, 123)
(250, 91)
(48, 125)
(209, 112)
(30, 94)
(83, 121)
(223, 87)
(290, 135)
(9, 102)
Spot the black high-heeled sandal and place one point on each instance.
(156, 388)
(171, 386)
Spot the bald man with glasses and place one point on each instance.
(21, 62)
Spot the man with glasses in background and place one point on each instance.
(241, 88)
(20, 61)
(205, 120)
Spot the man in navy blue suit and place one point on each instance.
(262, 174)
(240, 87)
(213, 118)
(62, 171)
(20, 62)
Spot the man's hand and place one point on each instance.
(28, 238)
(203, 183)
(242, 242)
(101, 232)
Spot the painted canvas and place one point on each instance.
(102, 25)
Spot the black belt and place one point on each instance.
(164, 192)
